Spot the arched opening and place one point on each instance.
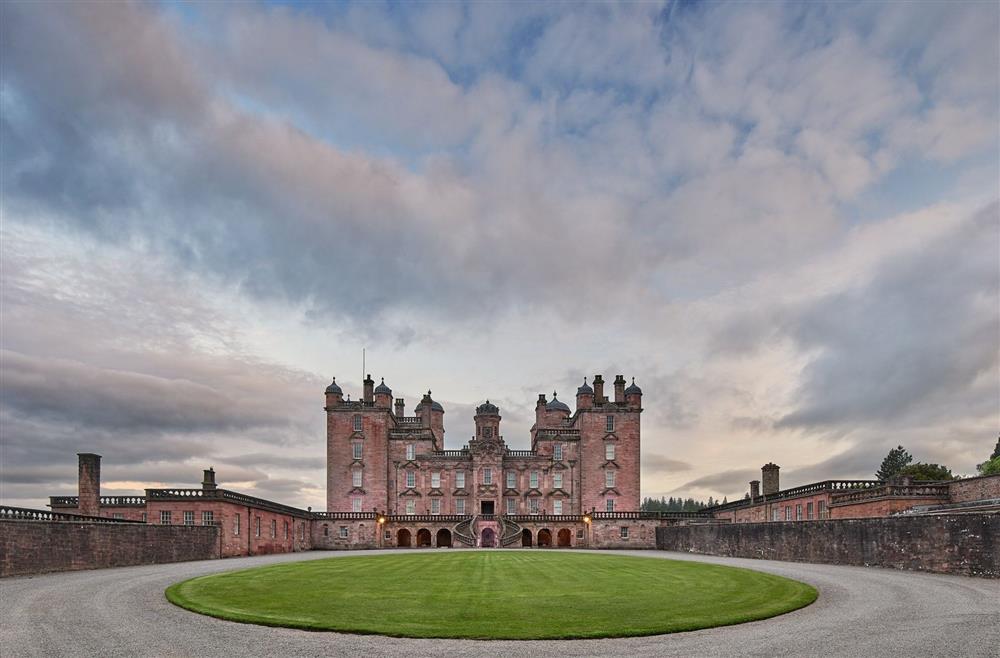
(403, 538)
(423, 537)
(444, 537)
(544, 537)
(526, 538)
(488, 538)
(563, 537)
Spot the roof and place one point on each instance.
(487, 408)
(334, 388)
(633, 389)
(383, 389)
(556, 405)
(585, 389)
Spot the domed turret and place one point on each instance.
(633, 389)
(383, 389)
(556, 405)
(584, 396)
(487, 421)
(334, 394)
(487, 408)
(334, 388)
(383, 395)
(633, 396)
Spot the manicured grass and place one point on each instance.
(498, 594)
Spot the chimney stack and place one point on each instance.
(769, 476)
(599, 390)
(369, 392)
(754, 489)
(400, 407)
(208, 483)
(89, 484)
(619, 389)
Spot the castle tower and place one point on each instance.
(609, 448)
(89, 484)
(769, 478)
(487, 420)
(383, 396)
(584, 396)
(357, 436)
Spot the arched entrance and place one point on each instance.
(544, 537)
(526, 538)
(423, 537)
(403, 538)
(444, 538)
(563, 537)
(489, 538)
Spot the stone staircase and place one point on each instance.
(464, 532)
(510, 532)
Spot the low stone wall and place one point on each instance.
(967, 544)
(33, 547)
(983, 487)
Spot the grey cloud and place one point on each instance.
(725, 481)
(653, 463)
(266, 460)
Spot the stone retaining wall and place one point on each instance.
(967, 544)
(33, 547)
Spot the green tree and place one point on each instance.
(897, 458)
(996, 450)
(921, 471)
(990, 467)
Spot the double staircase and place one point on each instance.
(510, 532)
(464, 532)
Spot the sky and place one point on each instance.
(783, 220)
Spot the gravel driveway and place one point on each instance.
(860, 612)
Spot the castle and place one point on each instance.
(378, 458)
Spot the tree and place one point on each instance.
(990, 467)
(921, 471)
(897, 458)
(996, 450)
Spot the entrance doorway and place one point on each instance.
(423, 537)
(444, 538)
(563, 537)
(544, 537)
(403, 538)
(489, 538)
(526, 538)
(486, 507)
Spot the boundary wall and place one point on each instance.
(967, 544)
(33, 547)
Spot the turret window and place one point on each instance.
(610, 424)
(488, 432)
(609, 451)
(357, 422)
(411, 479)
(411, 452)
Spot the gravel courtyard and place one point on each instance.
(860, 612)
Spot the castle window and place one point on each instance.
(117, 515)
(356, 449)
(511, 505)
(460, 506)
(357, 422)
(534, 479)
(809, 511)
(579, 533)
(356, 478)
(788, 512)
(207, 518)
(356, 504)
(326, 531)
(411, 452)
(487, 476)
(775, 513)
(344, 534)
(609, 424)
(302, 531)
(435, 505)
(609, 505)
(165, 517)
(557, 480)
(798, 512)
(821, 508)
(557, 452)
(236, 524)
(143, 517)
(511, 479)
(256, 528)
(488, 432)
(609, 479)
(274, 528)
(435, 480)
(623, 532)
(533, 505)
(411, 506)
(411, 479)
(609, 452)
(286, 529)
(557, 507)
(460, 480)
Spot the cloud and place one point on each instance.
(653, 463)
